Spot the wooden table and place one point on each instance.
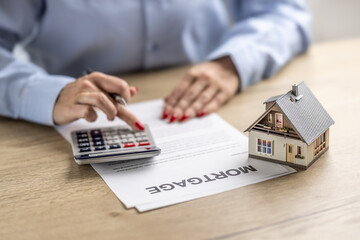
(45, 195)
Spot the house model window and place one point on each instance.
(264, 146)
(299, 150)
(270, 118)
(319, 144)
(279, 120)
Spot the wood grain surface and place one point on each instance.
(44, 194)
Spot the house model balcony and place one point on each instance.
(285, 132)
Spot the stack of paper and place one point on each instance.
(200, 157)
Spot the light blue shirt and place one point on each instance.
(63, 37)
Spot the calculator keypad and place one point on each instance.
(112, 144)
(110, 139)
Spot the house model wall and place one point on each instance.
(294, 129)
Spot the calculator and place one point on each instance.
(112, 144)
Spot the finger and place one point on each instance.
(133, 91)
(90, 114)
(205, 97)
(99, 100)
(129, 117)
(83, 111)
(166, 110)
(75, 112)
(86, 84)
(214, 104)
(172, 99)
(111, 84)
(186, 100)
(176, 113)
(192, 93)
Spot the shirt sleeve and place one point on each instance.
(26, 90)
(264, 37)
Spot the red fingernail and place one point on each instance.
(139, 126)
(201, 114)
(183, 118)
(173, 118)
(136, 88)
(165, 114)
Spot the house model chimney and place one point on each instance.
(295, 90)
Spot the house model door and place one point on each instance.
(290, 153)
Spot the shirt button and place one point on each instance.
(154, 47)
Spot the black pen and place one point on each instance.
(114, 96)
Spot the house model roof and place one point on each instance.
(273, 99)
(304, 111)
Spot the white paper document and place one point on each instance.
(198, 158)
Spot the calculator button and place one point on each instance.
(114, 146)
(95, 133)
(124, 130)
(85, 144)
(78, 136)
(142, 140)
(83, 140)
(81, 132)
(99, 148)
(126, 145)
(86, 149)
(144, 143)
(97, 139)
(98, 143)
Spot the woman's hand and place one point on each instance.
(78, 99)
(205, 88)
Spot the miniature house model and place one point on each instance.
(294, 129)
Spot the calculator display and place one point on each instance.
(112, 144)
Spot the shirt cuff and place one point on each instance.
(40, 95)
(246, 60)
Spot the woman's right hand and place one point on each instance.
(78, 99)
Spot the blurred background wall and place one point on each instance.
(335, 19)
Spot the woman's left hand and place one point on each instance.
(205, 88)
